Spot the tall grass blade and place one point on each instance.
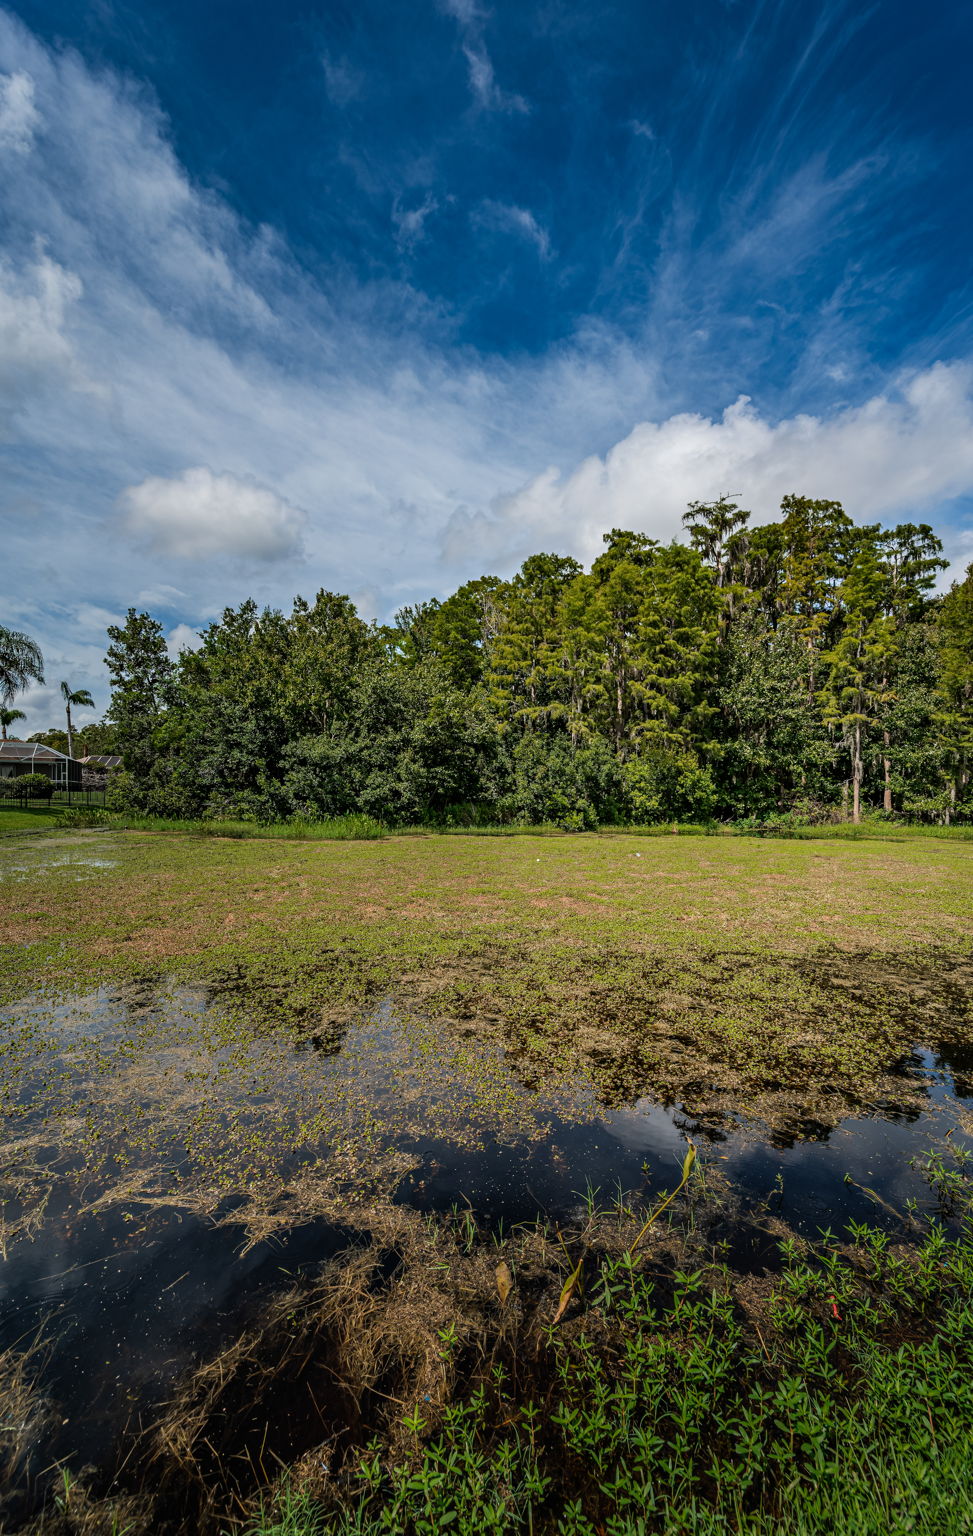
(687, 1168)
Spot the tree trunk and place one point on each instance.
(887, 765)
(844, 801)
(856, 777)
(70, 742)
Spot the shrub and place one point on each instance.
(666, 785)
(84, 816)
(33, 786)
(121, 794)
(556, 784)
(244, 805)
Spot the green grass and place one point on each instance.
(679, 1403)
(354, 828)
(357, 827)
(880, 830)
(837, 1403)
(844, 831)
(31, 818)
(584, 947)
(361, 826)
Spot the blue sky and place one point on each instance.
(381, 297)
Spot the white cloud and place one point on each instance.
(160, 595)
(410, 222)
(182, 638)
(516, 221)
(35, 352)
(466, 12)
(150, 329)
(900, 455)
(18, 115)
(487, 94)
(200, 516)
(483, 82)
(90, 619)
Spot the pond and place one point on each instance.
(169, 1159)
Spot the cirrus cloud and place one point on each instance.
(198, 515)
(18, 115)
(36, 354)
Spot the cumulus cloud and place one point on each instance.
(511, 219)
(19, 116)
(199, 515)
(182, 638)
(153, 329)
(901, 454)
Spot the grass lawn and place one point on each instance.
(32, 818)
(185, 899)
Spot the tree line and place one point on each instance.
(803, 668)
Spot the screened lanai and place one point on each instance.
(20, 757)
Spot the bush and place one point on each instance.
(84, 816)
(121, 795)
(244, 805)
(666, 785)
(33, 786)
(124, 793)
(415, 748)
(555, 784)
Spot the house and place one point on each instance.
(20, 757)
(96, 768)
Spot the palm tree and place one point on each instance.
(7, 717)
(21, 663)
(82, 700)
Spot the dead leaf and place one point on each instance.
(568, 1289)
(504, 1280)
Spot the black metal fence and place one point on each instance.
(61, 795)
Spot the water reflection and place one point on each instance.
(131, 1293)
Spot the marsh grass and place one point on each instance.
(356, 827)
(26, 1417)
(786, 980)
(684, 1400)
(404, 1390)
